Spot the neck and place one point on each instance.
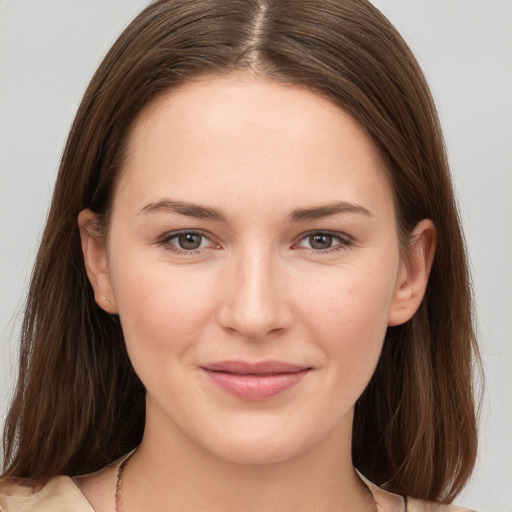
(176, 474)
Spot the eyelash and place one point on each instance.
(344, 241)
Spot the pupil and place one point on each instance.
(320, 241)
(189, 241)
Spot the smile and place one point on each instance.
(255, 381)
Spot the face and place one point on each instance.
(254, 263)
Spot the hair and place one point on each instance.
(78, 403)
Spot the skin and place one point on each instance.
(258, 287)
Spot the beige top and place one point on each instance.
(61, 494)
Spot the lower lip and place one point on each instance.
(256, 387)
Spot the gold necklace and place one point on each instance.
(119, 483)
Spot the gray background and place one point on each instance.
(50, 48)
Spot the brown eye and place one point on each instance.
(320, 241)
(189, 241)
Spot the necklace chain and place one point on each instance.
(119, 484)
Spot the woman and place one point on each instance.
(252, 278)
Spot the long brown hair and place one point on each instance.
(79, 404)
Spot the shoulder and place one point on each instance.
(414, 505)
(59, 494)
(389, 502)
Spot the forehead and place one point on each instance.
(237, 135)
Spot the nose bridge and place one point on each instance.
(254, 303)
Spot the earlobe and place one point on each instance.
(414, 273)
(95, 259)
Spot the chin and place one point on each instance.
(258, 452)
(261, 442)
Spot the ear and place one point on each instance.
(95, 258)
(414, 273)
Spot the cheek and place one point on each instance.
(354, 299)
(162, 309)
(347, 316)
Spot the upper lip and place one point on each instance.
(255, 368)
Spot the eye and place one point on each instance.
(186, 241)
(324, 241)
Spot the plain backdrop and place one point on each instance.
(49, 50)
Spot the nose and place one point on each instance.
(254, 301)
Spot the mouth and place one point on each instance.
(255, 381)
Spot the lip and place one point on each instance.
(255, 381)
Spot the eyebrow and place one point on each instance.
(320, 212)
(184, 208)
(205, 212)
